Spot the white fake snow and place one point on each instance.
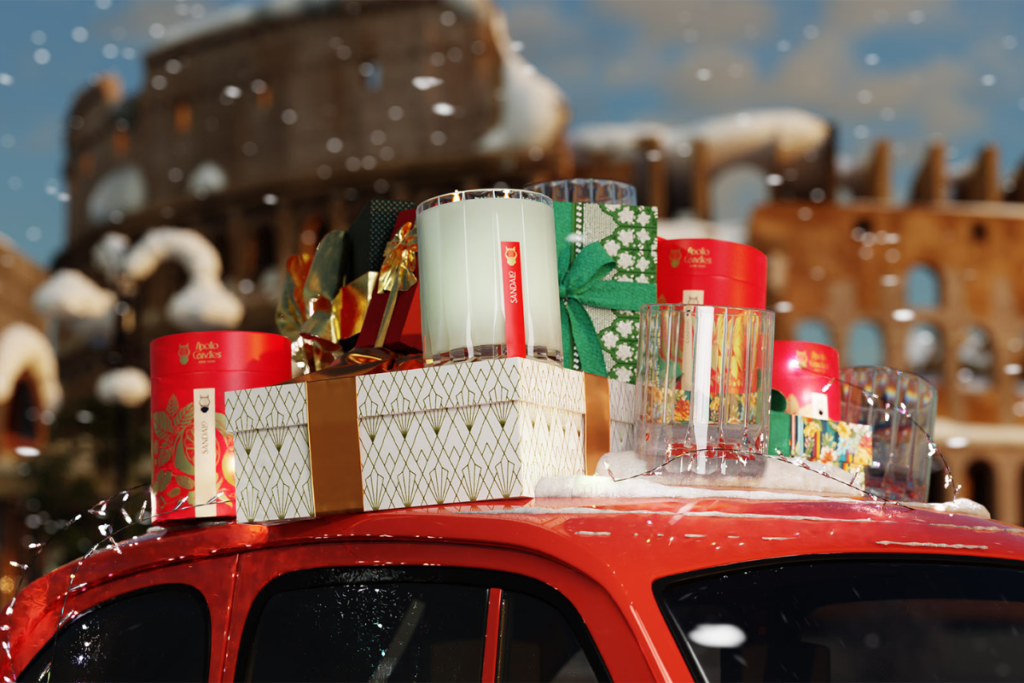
(778, 478)
(128, 387)
(26, 350)
(781, 481)
(122, 189)
(532, 109)
(204, 302)
(68, 294)
(763, 136)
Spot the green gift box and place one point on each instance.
(607, 270)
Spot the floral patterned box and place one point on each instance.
(845, 445)
(453, 433)
(629, 236)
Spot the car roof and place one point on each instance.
(629, 541)
(671, 535)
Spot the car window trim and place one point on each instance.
(659, 586)
(462, 576)
(52, 641)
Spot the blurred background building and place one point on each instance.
(264, 125)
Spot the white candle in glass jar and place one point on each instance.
(461, 271)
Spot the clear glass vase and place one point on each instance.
(900, 407)
(587, 191)
(703, 391)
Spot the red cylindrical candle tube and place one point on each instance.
(808, 375)
(712, 273)
(193, 456)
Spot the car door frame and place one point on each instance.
(212, 577)
(606, 626)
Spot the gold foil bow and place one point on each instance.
(397, 274)
(318, 309)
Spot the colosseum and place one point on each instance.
(265, 127)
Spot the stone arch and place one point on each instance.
(975, 358)
(922, 287)
(924, 349)
(122, 190)
(983, 489)
(736, 191)
(815, 330)
(865, 344)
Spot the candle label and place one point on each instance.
(204, 462)
(512, 290)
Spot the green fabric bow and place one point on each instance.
(581, 283)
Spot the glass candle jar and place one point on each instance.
(587, 191)
(900, 407)
(489, 276)
(704, 388)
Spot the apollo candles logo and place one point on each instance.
(512, 283)
(207, 352)
(183, 353)
(698, 256)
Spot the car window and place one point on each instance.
(893, 619)
(369, 631)
(538, 644)
(160, 634)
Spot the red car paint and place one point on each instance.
(602, 555)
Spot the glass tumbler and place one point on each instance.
(489, 276)
(703, 390)
(900, 407)
(587, 191)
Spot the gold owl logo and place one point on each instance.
(675, 256)
(183, 353)
(511, 256)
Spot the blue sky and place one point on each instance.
(910, 71)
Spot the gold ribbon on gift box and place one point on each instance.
(333, 420)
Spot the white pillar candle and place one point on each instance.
(463, 266)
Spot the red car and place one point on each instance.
(544, 590)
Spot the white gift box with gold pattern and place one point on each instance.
(452, 433)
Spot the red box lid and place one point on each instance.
(727, 273)
(221, 351)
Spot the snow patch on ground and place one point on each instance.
(69, 294)
(128, 387)
(26, 350)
